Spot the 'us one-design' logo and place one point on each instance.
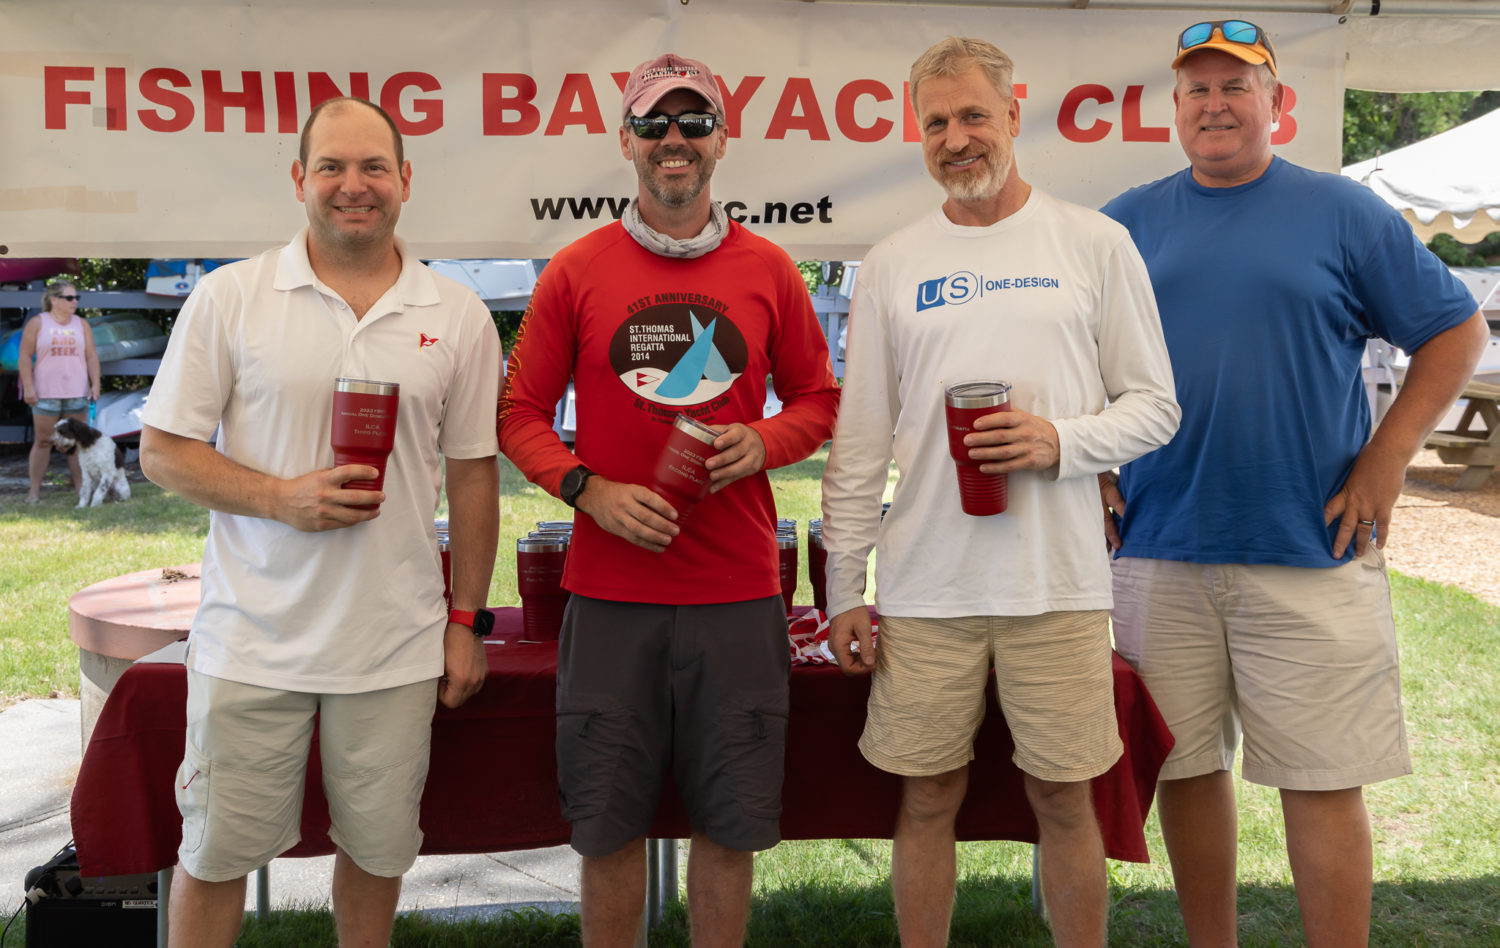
(964, 285)
(678, 353)
(953, 289)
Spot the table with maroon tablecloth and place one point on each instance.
(492, 783)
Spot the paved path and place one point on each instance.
(39, 759)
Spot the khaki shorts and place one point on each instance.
(1302, 659)
(1053, 678)
(239, 788)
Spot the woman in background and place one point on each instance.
(64, 379)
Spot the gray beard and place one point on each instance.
(970, 189)
(675, 198)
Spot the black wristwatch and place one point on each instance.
(482, 621)
(573, 483)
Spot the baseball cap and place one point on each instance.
(1239, 38)
(668, 72)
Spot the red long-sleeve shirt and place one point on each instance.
(627, 326)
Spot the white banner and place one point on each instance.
(135, 128)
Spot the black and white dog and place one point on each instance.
(101, 461)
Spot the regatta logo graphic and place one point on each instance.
(677, 349)
(425, 341)
(964, 285)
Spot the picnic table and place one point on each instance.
(1476, 447)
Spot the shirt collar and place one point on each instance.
(415, 285)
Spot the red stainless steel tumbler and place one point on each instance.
(786, 550)
(364, 427)
(817, 562)
(539, 572)
(681, 475)
(979, 493)
(440, 527)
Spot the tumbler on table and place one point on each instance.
(440, 527)
(539, 572)
(980, 494)
(817, 560)
(786, 552)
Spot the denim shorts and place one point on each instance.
(57, 407)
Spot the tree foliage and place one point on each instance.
(1486, 253)
(112, 273)
(1380, 122)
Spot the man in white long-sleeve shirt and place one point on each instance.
(1002, 282)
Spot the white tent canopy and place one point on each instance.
(1393, 45)
(1446, 184)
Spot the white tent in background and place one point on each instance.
(1446, 184)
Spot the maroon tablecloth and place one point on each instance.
(492, 784)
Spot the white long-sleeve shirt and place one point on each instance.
(1053, 299)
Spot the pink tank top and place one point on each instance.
(61, 370)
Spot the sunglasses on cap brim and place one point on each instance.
(690, 124)
(1236, 32)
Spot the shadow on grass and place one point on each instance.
(149, 510)
(1457, 912)
(820, 915)
(998, 912)
(527, 927)
(1453, 912)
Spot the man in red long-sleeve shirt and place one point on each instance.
(673, 650)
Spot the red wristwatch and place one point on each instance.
(482, 621)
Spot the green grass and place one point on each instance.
(1437, 850)
(53, 550)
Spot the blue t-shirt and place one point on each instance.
(1267, 294)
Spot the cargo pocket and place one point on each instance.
(192, 796)
(753, 727)
(592, 734)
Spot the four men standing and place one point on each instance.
(674, 653)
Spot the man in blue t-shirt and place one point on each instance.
(1250, 591)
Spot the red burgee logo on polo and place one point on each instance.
(425, 341)
(678, 350)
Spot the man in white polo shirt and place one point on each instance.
(319, 599)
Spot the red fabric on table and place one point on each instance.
(492, 786)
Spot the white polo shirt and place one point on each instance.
(256, 349)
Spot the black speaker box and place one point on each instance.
(73, 911)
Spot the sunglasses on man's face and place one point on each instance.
(690, 124)
(1239, 32)
(70, 299)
